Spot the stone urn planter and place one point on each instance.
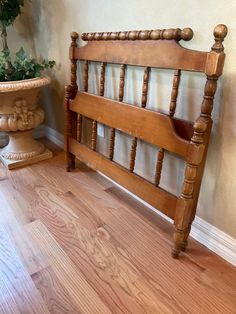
(20, 114)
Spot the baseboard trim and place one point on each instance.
(213, 238)
(54, 136)
(205, 233)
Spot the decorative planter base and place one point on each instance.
(23, 150)
(12, 164)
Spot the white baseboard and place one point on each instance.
(208, 235)
(53, 135)
(214, 239)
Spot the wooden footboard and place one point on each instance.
(184, 139)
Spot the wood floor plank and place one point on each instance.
(18, 293)
(82, 294)
(53, 292)
(90, 232)
(104, 264)
(132, 234)
(63, 212)
(26, 248)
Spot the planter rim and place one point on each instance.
(36, 82)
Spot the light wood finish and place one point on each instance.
(160, 157)
(121, 96)
(170, 54)
(143, 104)
(71, 118)
(114, 114)
(81, 293)
(157, 34)
(94, 135)
(100, 250)
(157, 197)
(18, 293)
(160, 49)
(133, 154)
(53, 292)
(174, 93)
(86, 75)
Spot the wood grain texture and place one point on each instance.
(121, 96)
(114, 114)
(81, 225)
(165, 201)
(30, 254)
(82, 294)
(17, 291)
(158, 34)
(53, 292)
(170, 54)
(148, 49)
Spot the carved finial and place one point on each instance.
(187, 34)
(220, 32)
(74, 36)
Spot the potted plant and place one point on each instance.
(20, 84)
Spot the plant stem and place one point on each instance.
(4, 36)
(3, 33)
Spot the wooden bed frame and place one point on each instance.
(189, 141)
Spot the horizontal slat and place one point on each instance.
(157, 197)
(153, 127)
(159, 54)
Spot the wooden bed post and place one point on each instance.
(70, 116)
(187, 203)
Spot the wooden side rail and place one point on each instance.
(161, 199)
(159, 128)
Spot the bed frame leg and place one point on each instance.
(180, 241)
(70, 162)
(184, 242)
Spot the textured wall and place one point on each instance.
(52, 21)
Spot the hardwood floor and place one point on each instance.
(75, 243)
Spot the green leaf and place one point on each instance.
(23, 67)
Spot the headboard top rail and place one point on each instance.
(158, 34)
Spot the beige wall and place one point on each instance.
(52, 23)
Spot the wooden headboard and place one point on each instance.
(189, 141)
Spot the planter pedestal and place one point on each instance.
(20, 114)
(23, 150)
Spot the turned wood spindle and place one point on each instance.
(143, 104)
(121, 96)
(160, 157)
(145, 87)
(102, 79)
(94, 135)
(133, 154)
(101, 93)
(85, 75)
(73, 60)
(175, 91)
(71, 90)
(85, 84)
